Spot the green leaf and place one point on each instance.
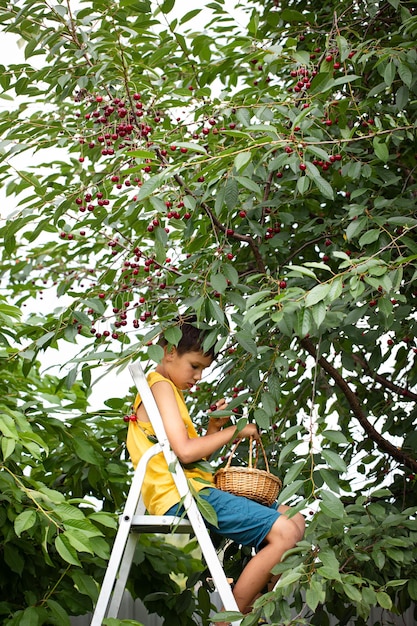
(412, 588)
(330, 478)
(291, 15)
(318, 312)
(78, 541)
(334, 460)
(296, 270)
(155, 353)
(334, 435)
(173, 335)
(317, 294)
(8, 446)
(384, 600)
(248, 183)
(405, 73)
(167, 6)
(231, 193)
(85, 584)
(303, 185)
(389, 73)
(66, 551)
(30, 617)
(262, 419)
(218, 282)
(328, 557)
(229, 616)
(24, 521)
(143, 154)
(85, 451)
(189, 16)
(241, 160)
(149, 186)
(294, 471)
(290, 490)
(323, 186)
(206, 509)
(245, 339)
(193, 147)
(380, 149)
(315, 594)
(369, 237)
(243, 115)
(58, 613)
(352, 592)
(331, 505)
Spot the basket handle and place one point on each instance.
(258, 444)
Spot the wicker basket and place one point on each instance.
(250, 482)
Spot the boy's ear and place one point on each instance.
(170, 352)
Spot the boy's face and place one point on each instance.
(185, 370)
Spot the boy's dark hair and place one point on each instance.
(192, 338)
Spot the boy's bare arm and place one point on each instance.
(189, 450)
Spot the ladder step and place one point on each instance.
(160, 524)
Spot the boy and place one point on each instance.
(246, 522)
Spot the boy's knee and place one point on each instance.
(289, 529)
(299, 520)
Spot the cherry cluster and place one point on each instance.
(119, 124)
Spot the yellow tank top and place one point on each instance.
(159, 491)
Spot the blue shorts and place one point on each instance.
(244, 521)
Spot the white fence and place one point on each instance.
(134, 609)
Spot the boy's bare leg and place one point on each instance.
(283, 536)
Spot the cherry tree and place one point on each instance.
(253, 165)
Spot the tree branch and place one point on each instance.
(401, 391)
(356, 408)
(246, 238)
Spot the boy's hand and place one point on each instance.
(216, 423)
(250, 430)
(220, 405)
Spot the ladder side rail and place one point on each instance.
(116, 596)
(194, 515)
(121, 540)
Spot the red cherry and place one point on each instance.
(283, 284)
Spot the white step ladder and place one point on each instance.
(133, 521)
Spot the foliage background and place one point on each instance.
(260, 172)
